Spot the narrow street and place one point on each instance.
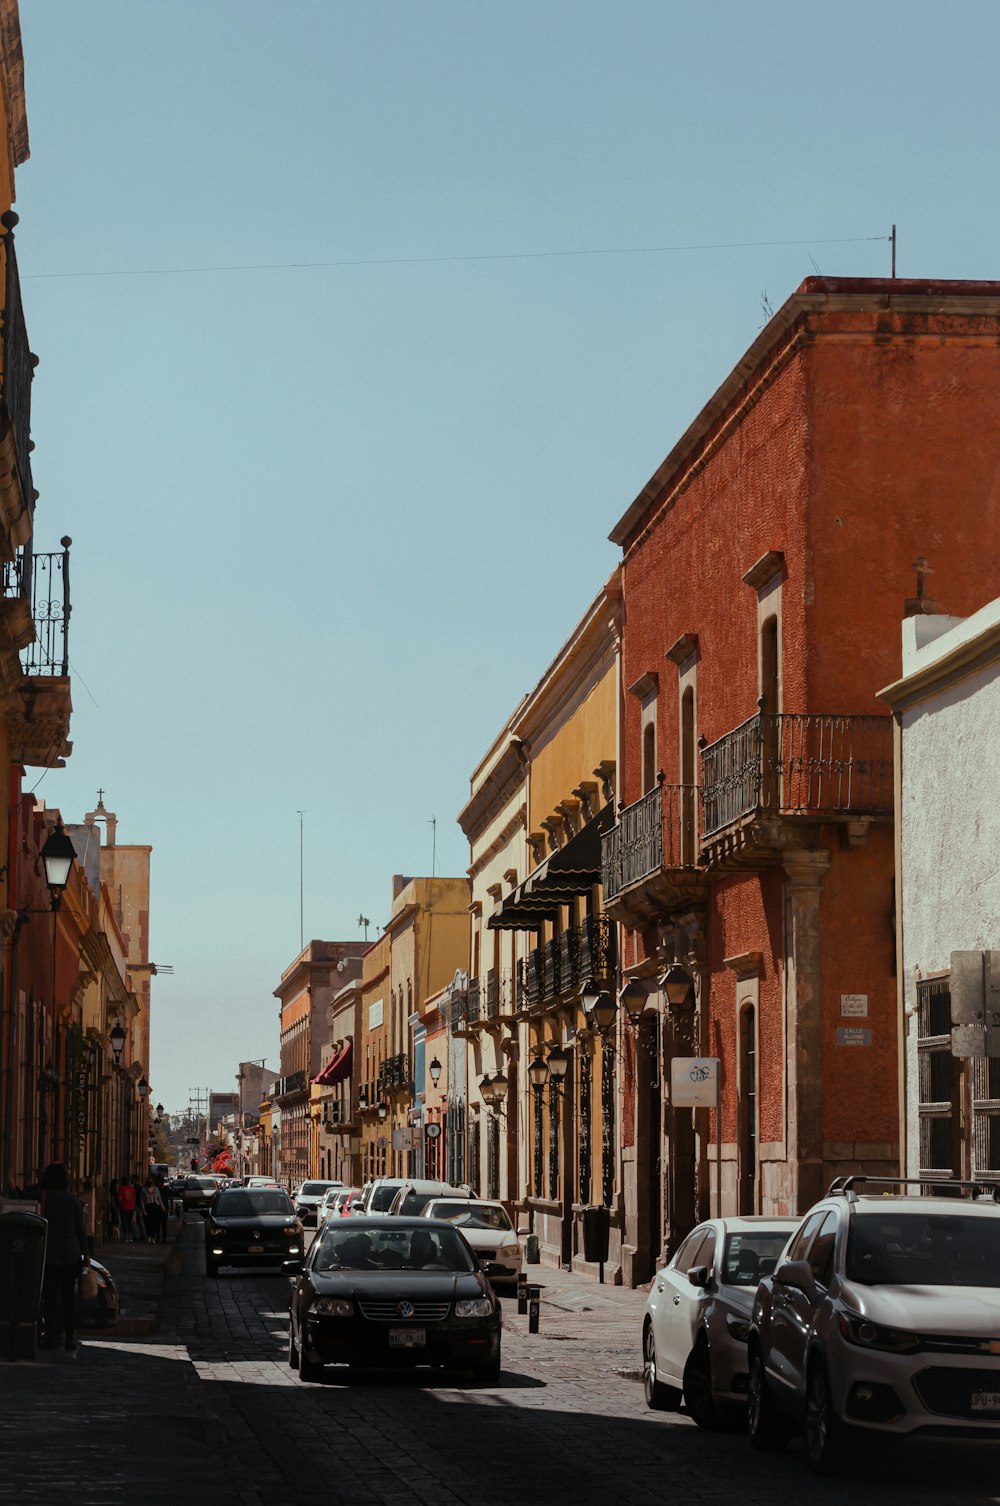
(207, 1411)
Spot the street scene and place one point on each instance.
(499, 919)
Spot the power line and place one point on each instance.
(419, 261)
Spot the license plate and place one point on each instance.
(407, 1338)
(986, 1401)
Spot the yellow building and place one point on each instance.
(539, 803)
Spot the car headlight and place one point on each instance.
(473, 1307)
(738, 1327)
(291, 1232)
(869, 1335)
(332, 1307)
(509, 1252)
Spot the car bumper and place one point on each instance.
(501, 1272)
(327, 1341)
(928, 1393)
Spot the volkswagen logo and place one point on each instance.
(405, 1309)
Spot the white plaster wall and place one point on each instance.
(949, 840)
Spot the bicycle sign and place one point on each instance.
(694, 1082)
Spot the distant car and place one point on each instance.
(378, 1195)
(697, 1319)
(253, 1226)
(488, 1230)
(329, 1204)
(308, 1197)
(392, 1292)
(414, 1195)
(883, 1316)
(197, 1193)
(259, 1182)
(102, 1310)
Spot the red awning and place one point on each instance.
(337, 1068)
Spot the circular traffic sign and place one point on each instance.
(432, 1131)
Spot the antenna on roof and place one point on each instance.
(892, 240)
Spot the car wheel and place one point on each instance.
(768, 1429)
(824, 1431)
(659, 1397)
(698, 1396)
(488, 1370)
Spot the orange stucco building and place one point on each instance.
(765, 569)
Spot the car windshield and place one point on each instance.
(382, 1198)
(250, 1202)
(749, 1256)
(924, 1249)
(391, 1250)
(473, 1216)
(313, 1189)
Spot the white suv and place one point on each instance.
(883, 1315)
(308, 1197)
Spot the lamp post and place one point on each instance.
(434, 1072)
(116, 1035)
(58, 857)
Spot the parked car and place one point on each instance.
(413, 1196)
(884, 1316)
(260, 1182)
(697, 1319)
(335, 1203)
(197, 1193)
(392, 1292)
(102, 1310)
(378, 1195)
(488, 1230)
(253, 1226)
(308, 1197)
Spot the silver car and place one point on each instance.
(694, 1335)
(488, 1229)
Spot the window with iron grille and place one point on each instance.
(985, 1076)
(939, 1081)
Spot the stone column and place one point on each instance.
(806, 869)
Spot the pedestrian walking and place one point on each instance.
(153, 1210)
(125, 1197)
(66, 1255)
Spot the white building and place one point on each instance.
(947, 711)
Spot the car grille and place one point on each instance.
(487, 1254)
(956, 1344)
(388, 1312)
(949, 1392)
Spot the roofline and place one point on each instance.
(815, 295)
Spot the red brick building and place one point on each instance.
(765, 567)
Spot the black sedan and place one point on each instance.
(253, 1226)
(392, 1292)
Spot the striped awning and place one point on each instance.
(560, 878)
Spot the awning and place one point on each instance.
(570, 871)
(337, 1068)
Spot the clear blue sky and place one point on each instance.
(330, 523)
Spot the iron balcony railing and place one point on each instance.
(42, 580)
(18, 364)
(551, 969)
(797, 763)
(659, 831)
(491, 1000)
(534, 986)
(596, 949)
(293, 1082)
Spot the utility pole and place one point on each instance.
(302, 929)
(198, 1099)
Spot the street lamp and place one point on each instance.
(558, 1064)
(383, 1111)
(602, 1011)
(633, 999)
(116, 1035)
(677, 984)
(538, 1071)
(142, 1086)
(434, 1072)
(58, 856)
(159, 1111)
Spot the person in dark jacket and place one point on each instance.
(66, 1255)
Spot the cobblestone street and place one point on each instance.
(207, 1410)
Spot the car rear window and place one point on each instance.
(250, 1202)
(473, 1216)
(382, 1198)
(313, 1189)
(748, 1257)
(924, 1249)
(419, 1249)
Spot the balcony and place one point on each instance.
(796, 768)
(394, 1076)
(286, 1087)
(556, 972)
(34, 655)
(595, 950)
(649, 859)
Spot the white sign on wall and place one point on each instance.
(694, 1082)
(854, 1006)
(376, 1013)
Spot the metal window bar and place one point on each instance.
(533, 976)
(938, 1081)
(551, 974)
(489, 1011)
(554, 1094)
(536, 1167)
(586, 1079)
(985, 1077)
(43, 581)
(607, 1127)
(569, 966)
(596, 952)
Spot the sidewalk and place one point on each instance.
(139, 1272)
(601, 1326)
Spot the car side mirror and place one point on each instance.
(796, 1274)
(699, 1275)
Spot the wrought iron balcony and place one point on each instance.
(41, 583)
(534, 987)
(797, 764)
(293, 1082)
(596, 951)
(551, 969)
(649, 859)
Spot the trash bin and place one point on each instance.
(596, 1233)
(22, 1261)
(531, 1249)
